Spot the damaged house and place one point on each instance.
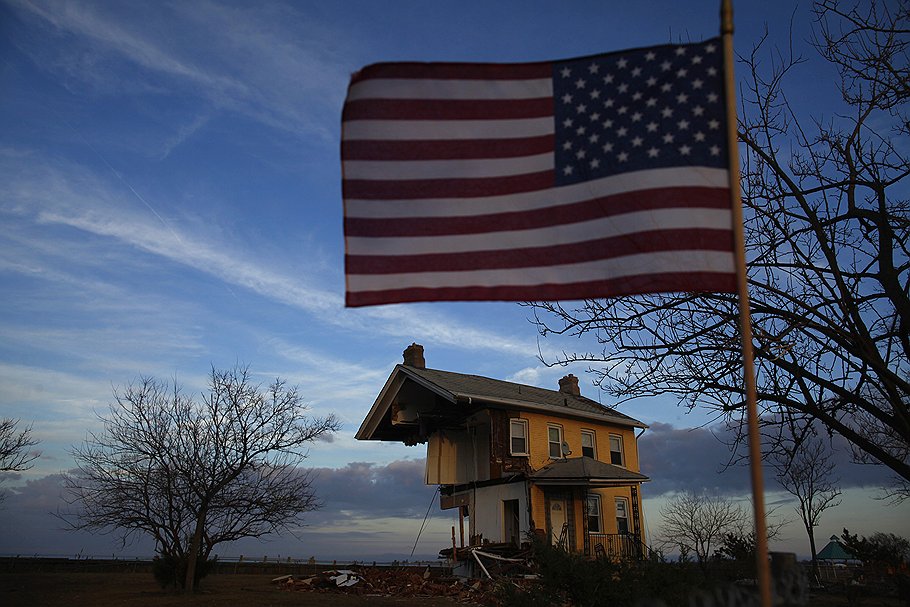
(517, 459)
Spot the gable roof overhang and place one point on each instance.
(461, 396)
(585, 472)
(380, 411)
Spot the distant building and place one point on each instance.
(517, 459)
(834, 552)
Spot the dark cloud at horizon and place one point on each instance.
(697, 459)
(364, 489)
(359, 493)
(690, 459)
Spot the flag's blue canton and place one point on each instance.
(642, 109)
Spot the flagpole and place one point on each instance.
(755, 458)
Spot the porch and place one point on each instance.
(591, 507)
(615, 546)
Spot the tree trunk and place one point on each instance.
(814, 554)
(193, 556)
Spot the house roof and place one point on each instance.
(485, 388)
(585, 471)
(463, 390)
(835, 551)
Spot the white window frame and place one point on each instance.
(625, 503)
(593, 436)
(513, 422)
(595, 513)
(622, 455)
(558, 443)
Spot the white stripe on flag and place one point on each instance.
(620, 225)
(405, 88)
(681, 177)
(380, 170)
(421, 130)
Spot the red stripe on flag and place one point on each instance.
(618, 204)
(548, 255)
(414, 189)
(446, 109)
(455, 71)
(445, 150)
(697, 282)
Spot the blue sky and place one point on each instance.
(170, 200)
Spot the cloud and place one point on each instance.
(369, 510)
(367, 490)
(271, 64)
(183, 133)
(28, 525)
(42, 196)
(688, 459)
(695, 459)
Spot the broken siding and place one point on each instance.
(456, 457)
(487, 511)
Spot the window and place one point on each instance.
(594, 525)
(554, 438)
(518, 436)
(616, 450)
(622, 515)
(588, 448)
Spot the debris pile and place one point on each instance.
(392, 582)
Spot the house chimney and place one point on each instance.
(413, 356)
(569, 385)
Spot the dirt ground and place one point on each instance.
(140, 590)
(75, 589)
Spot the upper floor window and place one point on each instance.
(594, 524)
(554, 440)
(518, 436)
(616, 456)
(588, 444)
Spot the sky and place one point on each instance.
(170, 201)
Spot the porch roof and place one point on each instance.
(585, 471)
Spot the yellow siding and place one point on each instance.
(608, 508)
(538, 508)
(571, 433)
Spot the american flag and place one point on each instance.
(592, 177)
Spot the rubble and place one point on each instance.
(393, 582)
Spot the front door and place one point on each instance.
(558, 521)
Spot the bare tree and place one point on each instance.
(827, 231)
(193, 474)
(807, 472)
(16, 454)
(695, 523)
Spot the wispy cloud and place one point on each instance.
(63, 194)
(183, 133)
(271, 65)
